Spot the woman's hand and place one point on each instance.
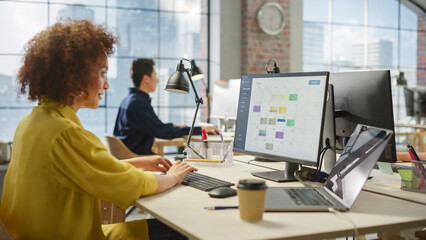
(180, 170)
(174, 176)
(154, 163)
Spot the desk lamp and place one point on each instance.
(400, 80)
(196, 72)
(178, 83)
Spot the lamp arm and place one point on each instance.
(193, 122)
(197, 99)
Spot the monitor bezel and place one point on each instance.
(285, 158)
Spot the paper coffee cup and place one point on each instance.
(251, 199)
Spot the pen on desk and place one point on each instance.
(206, 144)
(195, 151)
(204, 160)
(222, 144)
(204, 135)
(413, 153)
(221, 207)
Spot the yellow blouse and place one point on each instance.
(58, 173)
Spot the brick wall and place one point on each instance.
(257, 46)
(421, 52)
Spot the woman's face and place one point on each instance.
(98, 84)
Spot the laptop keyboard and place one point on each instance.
(307, 197)
(204, 182)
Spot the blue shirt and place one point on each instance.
(137, 124)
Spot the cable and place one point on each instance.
(339, 214)
(322, 154)
(296, 175)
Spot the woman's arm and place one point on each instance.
(175, 172)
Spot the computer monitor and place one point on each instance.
(363, 98)
(281, 117)
(410, 102)
(225, 99)
(225, 103)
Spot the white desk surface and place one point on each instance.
(390, 185)
(183, 209)
(250, 159)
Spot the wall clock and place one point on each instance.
(271, 18)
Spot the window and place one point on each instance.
(345, 35)
(164, 30)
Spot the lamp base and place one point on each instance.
(180, 157)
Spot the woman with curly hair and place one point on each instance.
(59, 171)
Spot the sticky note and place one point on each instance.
(406, 176)
(385, 168)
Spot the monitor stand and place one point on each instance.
(286, 175)
(329, 132)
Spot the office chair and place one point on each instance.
(110, 213)
(117, 148)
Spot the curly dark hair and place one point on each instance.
(59, 62)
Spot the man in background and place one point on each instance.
(137, 124)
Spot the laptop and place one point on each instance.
(345, 181)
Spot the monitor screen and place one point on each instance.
(280, 116)
(363, 98)
(225, 100)
(410, 101)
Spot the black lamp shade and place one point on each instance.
(178, 81)
(196, 72)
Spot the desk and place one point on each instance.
(182, 209)
(390, 185)
(159, 144)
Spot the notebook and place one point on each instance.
(345, 181)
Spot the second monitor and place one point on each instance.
(363, 98)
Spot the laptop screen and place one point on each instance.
(358, 158)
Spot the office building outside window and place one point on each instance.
(164, 30)
(344, 35)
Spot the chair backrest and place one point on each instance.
(110, 213)
(4, 234)
(117, 148)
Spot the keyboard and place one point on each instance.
(310, 197)
(395, 167)
(204, 182)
